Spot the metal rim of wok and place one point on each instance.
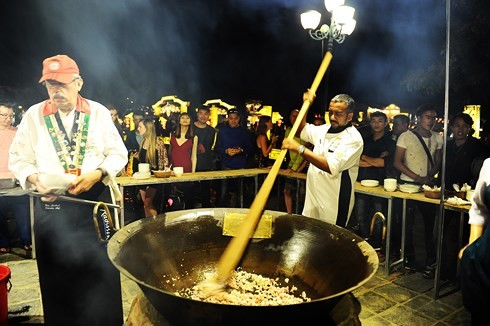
(182, 247)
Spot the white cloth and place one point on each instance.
(479, 211)
(342, 151)
(32, 150)
(415, 157)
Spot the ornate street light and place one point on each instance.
(342, 22)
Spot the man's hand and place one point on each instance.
(290, 144)
(232, 151)
(309, 96)
(201, 149)
(85, 182)
(34, 179)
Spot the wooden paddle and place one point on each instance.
(235, 249)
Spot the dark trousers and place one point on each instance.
(428, 212)
(366, 206)
(205, 192)
(228, 185)
(451, 246)
(396, 228)
(79, 285)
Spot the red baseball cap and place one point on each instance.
(59, 68)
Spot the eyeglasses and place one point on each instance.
(55, 84)
(6, 116)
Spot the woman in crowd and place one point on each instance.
(152, 150)
(19, 205)
(183, 144)
(183, 152)
(264, 144)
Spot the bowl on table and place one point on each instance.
(178, 171)
(409, 188)
(434, 194)
(452, 193)
(370, 183)
(162, 173)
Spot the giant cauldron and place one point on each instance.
(178, 249)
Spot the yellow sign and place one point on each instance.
(274, 154)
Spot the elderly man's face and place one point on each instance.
(64, 96)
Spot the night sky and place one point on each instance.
(234, 50)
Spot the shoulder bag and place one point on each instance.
(424, 145)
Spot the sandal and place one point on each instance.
(27, 247)
(4, 250)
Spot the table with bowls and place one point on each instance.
(415, 192)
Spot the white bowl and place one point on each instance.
(370, 183)
(409, 188)
(141, 175)
(178, 171)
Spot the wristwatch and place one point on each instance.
(104, 173)
(301, 149)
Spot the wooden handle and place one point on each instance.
(235, 249)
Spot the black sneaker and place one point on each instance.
(429, 272)
(409, 263)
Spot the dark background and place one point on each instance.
(133, 52)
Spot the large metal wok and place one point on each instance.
(178, 249)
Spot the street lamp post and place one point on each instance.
(342, 23)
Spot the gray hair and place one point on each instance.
(347, 99)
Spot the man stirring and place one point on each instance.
(68, 134)
(334, 161)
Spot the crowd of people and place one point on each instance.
(68, 134)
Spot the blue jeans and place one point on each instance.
(19, 205)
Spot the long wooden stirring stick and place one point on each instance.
(235, 249)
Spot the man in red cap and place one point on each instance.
(69, 144)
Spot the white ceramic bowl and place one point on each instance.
(409, 188)
(178, 171)
(370, 183)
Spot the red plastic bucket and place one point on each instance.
(4, 289)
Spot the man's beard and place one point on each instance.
(336, 130)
